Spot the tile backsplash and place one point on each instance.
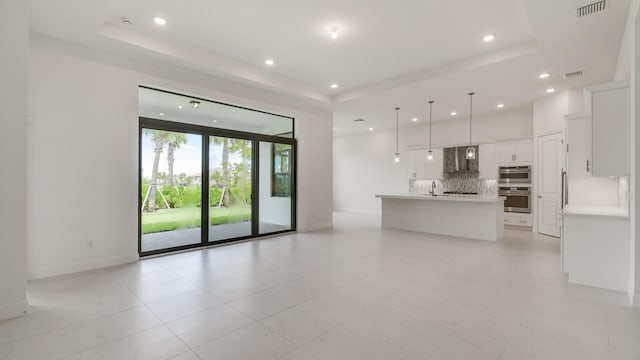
(462, 182)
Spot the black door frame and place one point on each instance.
(205, 132)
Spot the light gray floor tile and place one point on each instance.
(352, 292)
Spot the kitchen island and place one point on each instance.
(467, 216)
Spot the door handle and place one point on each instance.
(539, 196)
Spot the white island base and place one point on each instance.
(472, 217)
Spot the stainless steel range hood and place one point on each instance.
(455, 160)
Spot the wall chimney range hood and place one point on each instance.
(455, 160)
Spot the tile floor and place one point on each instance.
(354, 292)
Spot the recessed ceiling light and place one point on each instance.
(215, 120)
(269, 62)
(159, 20)
(544, 75)
(161, 114)
(334, 32)
(488, 38)
(414, 119)
(550, 90)
(179, 106)
(126, 20)
(370, 129)
(453, 113)
(500, 106)
(334, 86)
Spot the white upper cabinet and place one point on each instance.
(415, 163)
(579, 146)
(514, 152)
(488, 161)
(418, 167)
(433, 168)
(609, 107)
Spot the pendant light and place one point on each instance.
(471, 151)
(430, 152)
(397, 158)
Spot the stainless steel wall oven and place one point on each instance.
(518, 198)
(514, 175)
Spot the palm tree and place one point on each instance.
(244, 148)
(242, 171)
(174, 140)
(225, 166)
(159, 139)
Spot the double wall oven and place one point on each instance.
(514, 183)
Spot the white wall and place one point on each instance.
(14, 37)
(83, 146)
(486, 129)
(363, 163)
(549, 112)
(628, 68)
(273, 210)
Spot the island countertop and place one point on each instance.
(467, 216)
(453, 197)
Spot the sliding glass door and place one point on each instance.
(230, 188)
(171, 189)
(239, 185)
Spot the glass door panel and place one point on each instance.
(171, 189)
(230, 188)
(275, 187)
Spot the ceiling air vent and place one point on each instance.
(573, 74)
(358, 120)
(592, 8)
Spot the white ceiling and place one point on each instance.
(388, 54)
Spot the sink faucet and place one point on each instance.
(433, 188)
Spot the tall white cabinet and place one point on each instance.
(595, 239)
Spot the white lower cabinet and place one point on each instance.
(595, 250)
(515, 219)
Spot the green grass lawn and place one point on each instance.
(188, 217)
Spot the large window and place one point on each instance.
(211, 172)
(281, 170)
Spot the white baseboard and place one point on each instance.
(45, 272)
(14, 310)
(315, 227)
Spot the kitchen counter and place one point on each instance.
(606, 211)
(467, 216)
(455, 197)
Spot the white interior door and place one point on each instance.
(550, 164)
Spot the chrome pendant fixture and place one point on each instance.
(471, 151)
(397, 158)
(430, 152)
